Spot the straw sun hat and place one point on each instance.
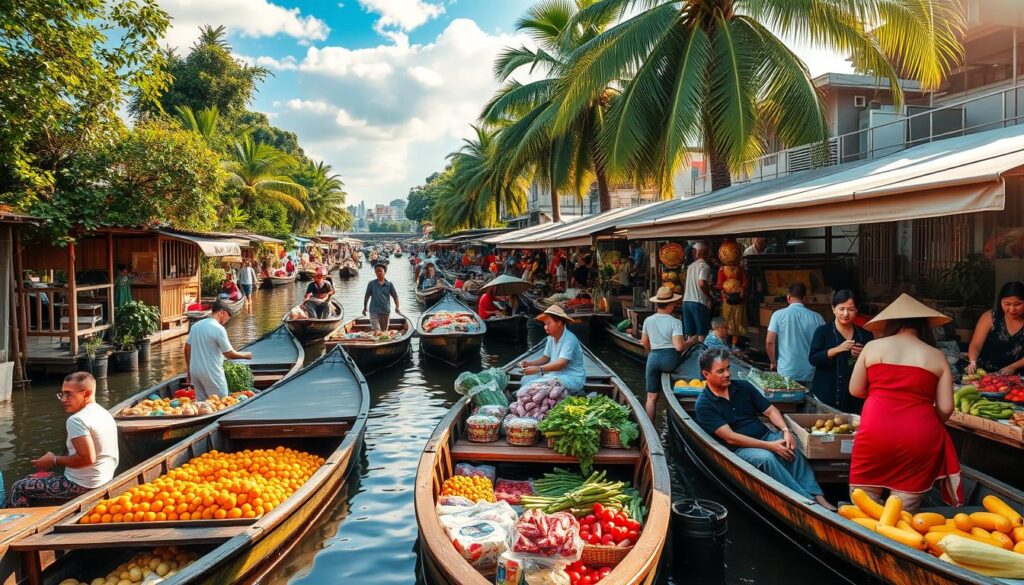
(554, 311)
(665, 295)
(907, 307)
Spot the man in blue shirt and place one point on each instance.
(789, 337)
(731, 410)
(563, 355)
(379, 293)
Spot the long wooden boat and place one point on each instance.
(275, 356)
(875, 556)
(321, 410)
(348, 269)
(470, 298)
(452, 347)
(313, 330)
(644, 463)
(370, 355)
(276, 281)
(233, 306)
(507, 327)
(631, 346)
(428, 298)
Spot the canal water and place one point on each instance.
(369, 535)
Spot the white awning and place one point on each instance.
(577, 233)
(958, 175)
(523, 232)
(211, 247)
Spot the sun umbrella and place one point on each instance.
(506, 285)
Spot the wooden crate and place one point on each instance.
(1008, 431)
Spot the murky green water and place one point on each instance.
(370, 534)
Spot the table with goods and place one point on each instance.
(540, 524)
(990, 405)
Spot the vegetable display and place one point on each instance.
(609, 527)
(154, 405)
(772, 381)
(968, 400)
(581, 574)
(450, 322)
(537, 399)
(163, 563)
(547, 535)
(837, 425)
(239, 376)
(575, 425)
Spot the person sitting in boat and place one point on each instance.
(289, 266)
(730, 410)
(205, 349)
(487, 308)
(92, 450)
(998, 341)
(563, 355)
(907, 388)
(429, 279)
(229, 290)
(318, 295)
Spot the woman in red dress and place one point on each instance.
(902, 444)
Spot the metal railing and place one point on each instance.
(997, 109)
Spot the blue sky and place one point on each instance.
(382, 90)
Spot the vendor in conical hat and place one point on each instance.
(907, 387)
(562, 357)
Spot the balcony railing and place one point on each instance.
(997, 109)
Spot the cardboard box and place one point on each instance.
(820, 446)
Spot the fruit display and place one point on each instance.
(767, 381)
(365, 336)
(968, 400)
(980, 541)
(694, 383)
(182, 405)
(995, 383)
(838, 425)
(609, 527)
(473, 488)
(730, 252)
(147, 568)
(578, 305)
(672, 255)
(450, 322)
(213, 486)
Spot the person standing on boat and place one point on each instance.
(246, 282)
(998, 340)
(563, 355)
(697, 294)
(318, 295)
(205, 349)
(907, 386)
(730, 410)
(92, 450)
(789, 337)
(664, 342)
(379, 294)
(835, 347)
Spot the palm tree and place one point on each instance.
(325, 198)
(209, 35)
(714, 72)
(234, 218)
(203, 122)
(476, 177)
(260, 172)
(452, 210)
(566, 157)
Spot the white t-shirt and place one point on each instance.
(661, 328)
(93, 421)
(698, 271)
(209, 341)
(247, 275)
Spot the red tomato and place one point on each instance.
(598, 508)
(606, 539)
(585, 580)
(606, 526)
(594, 539)
(633, 525)
(573, 576)
(607, 515)
(589, 519)
(633, 535)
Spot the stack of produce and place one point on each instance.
(473, 488)
(578, 305)
(547, 535)
(575, 426)
(451, 322)
(486, 387)
(149, 568)
(581, 574)
(998, 530)
(769, 381)
(968, 400)
(537, 399)
(154, 405)
(609, 527)
(215, 485)
(565, 491)
(837, 425)
(367, 336)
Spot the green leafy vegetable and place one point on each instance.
(239, 376)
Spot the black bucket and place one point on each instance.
(126, 361)
(698, 537)
(144, 351)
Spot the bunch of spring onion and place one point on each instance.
(565, 491)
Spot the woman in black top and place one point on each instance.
(998, 340)
(581, 274)
(834, 349)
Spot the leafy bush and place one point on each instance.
(211, 277)
(239, 376)
(135, 321)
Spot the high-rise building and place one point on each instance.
(399, 206)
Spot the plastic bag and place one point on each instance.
(480, 542)
(468, 470)
(496, 375)
(494, 410)
(511, 490)
(489, 394)
(555, 536)
(514, 569)
(499, 512)
(466, 382)
(452, 504)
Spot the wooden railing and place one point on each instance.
(46, 319)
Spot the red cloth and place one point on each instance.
(901, 444)
(289, 267)
(459, 283)
(486, 307)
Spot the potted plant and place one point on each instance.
(126, 356)
(138, 320)
(92, 359)
(973, 281)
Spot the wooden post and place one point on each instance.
(828, 245)
(72, 300)
(22, 297)
(15, 355)
(160, 278)
(112, 276)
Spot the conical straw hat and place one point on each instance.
(555, 311)
(907, 307)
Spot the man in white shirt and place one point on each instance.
(697, 295)
(757, 248)
(246, 282)
(92, 450)
(205, 350)
(789, 336)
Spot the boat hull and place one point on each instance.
(276, 281)
(312, 330)
(429, 299)
(626, 343)
(347, 271)
(511, 327)
(376, 356)
(453, 348)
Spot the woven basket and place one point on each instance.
(610, 439)
(604, 556)
(482, 433)
(521, 437)
(551, 442)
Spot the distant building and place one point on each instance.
(399, 206)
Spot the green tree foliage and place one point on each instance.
(65, 66)
(260, 174)
(390, 226)
(421, 199)
(270, 219)
(325, 199)
(207, 77)
(257, 125)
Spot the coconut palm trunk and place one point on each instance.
(604, 195)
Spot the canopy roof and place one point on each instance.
(211, 246)
(957, 175)
(577, 233)
(516, 234)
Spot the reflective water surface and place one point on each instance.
(369, 535)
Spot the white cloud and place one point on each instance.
(288, 63)
(404, 15)
(250, 18)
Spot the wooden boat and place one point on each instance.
(322, 410)
(629, 345)
(426, 299)
(373, 356)
(451, 347)
(471, 299)
(18, 523)
(644, 463)
(233, 306)
(587, 323)
(348, 269)
(312, 330)
(875, 556)
(276, 281)
(275, 356)
(507, 327)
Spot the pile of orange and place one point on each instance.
(213, 486)
(474, 488)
